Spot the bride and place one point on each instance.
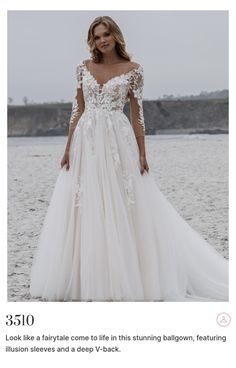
(109, 233)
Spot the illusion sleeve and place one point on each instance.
(78, 102)
(136, 101)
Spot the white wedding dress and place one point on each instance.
(109, 233)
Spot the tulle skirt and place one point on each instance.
(111, 235)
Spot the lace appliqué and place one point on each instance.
(75, 112)
(113, 146)
(110, 96)
(79, 74)
(79, 192)
(128, 180)
(115, 154)
(136, 84)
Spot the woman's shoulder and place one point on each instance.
(136, 67)
(86, 62)
(137, 71)
(132, 64)
(83, 62)
(81, 67)
(135, 64)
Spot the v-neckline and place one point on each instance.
(101, 86)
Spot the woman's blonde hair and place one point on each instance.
(117, 34)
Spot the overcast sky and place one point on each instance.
(182, 52)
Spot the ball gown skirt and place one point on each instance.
(111, 235)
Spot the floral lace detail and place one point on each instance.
(136, 85)
(75, 114)
(76, 110)
(112, 95)
(113, 145)
(79, 192)
(79, 74)
(128, 180)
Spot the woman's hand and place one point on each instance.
(66, 160)
(143, 164)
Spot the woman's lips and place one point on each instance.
(104, 46)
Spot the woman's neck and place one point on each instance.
(111, 58)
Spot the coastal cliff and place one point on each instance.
(161, 117)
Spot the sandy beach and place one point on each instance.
(191, 170)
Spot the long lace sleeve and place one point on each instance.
(78, 102)
(136, 101)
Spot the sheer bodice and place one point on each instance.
(110, 96)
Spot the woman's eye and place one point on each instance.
(105, 34)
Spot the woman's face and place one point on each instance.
(104, 39)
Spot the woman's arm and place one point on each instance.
(77, 111)
(136, 112)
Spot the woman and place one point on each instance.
(109, 233)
